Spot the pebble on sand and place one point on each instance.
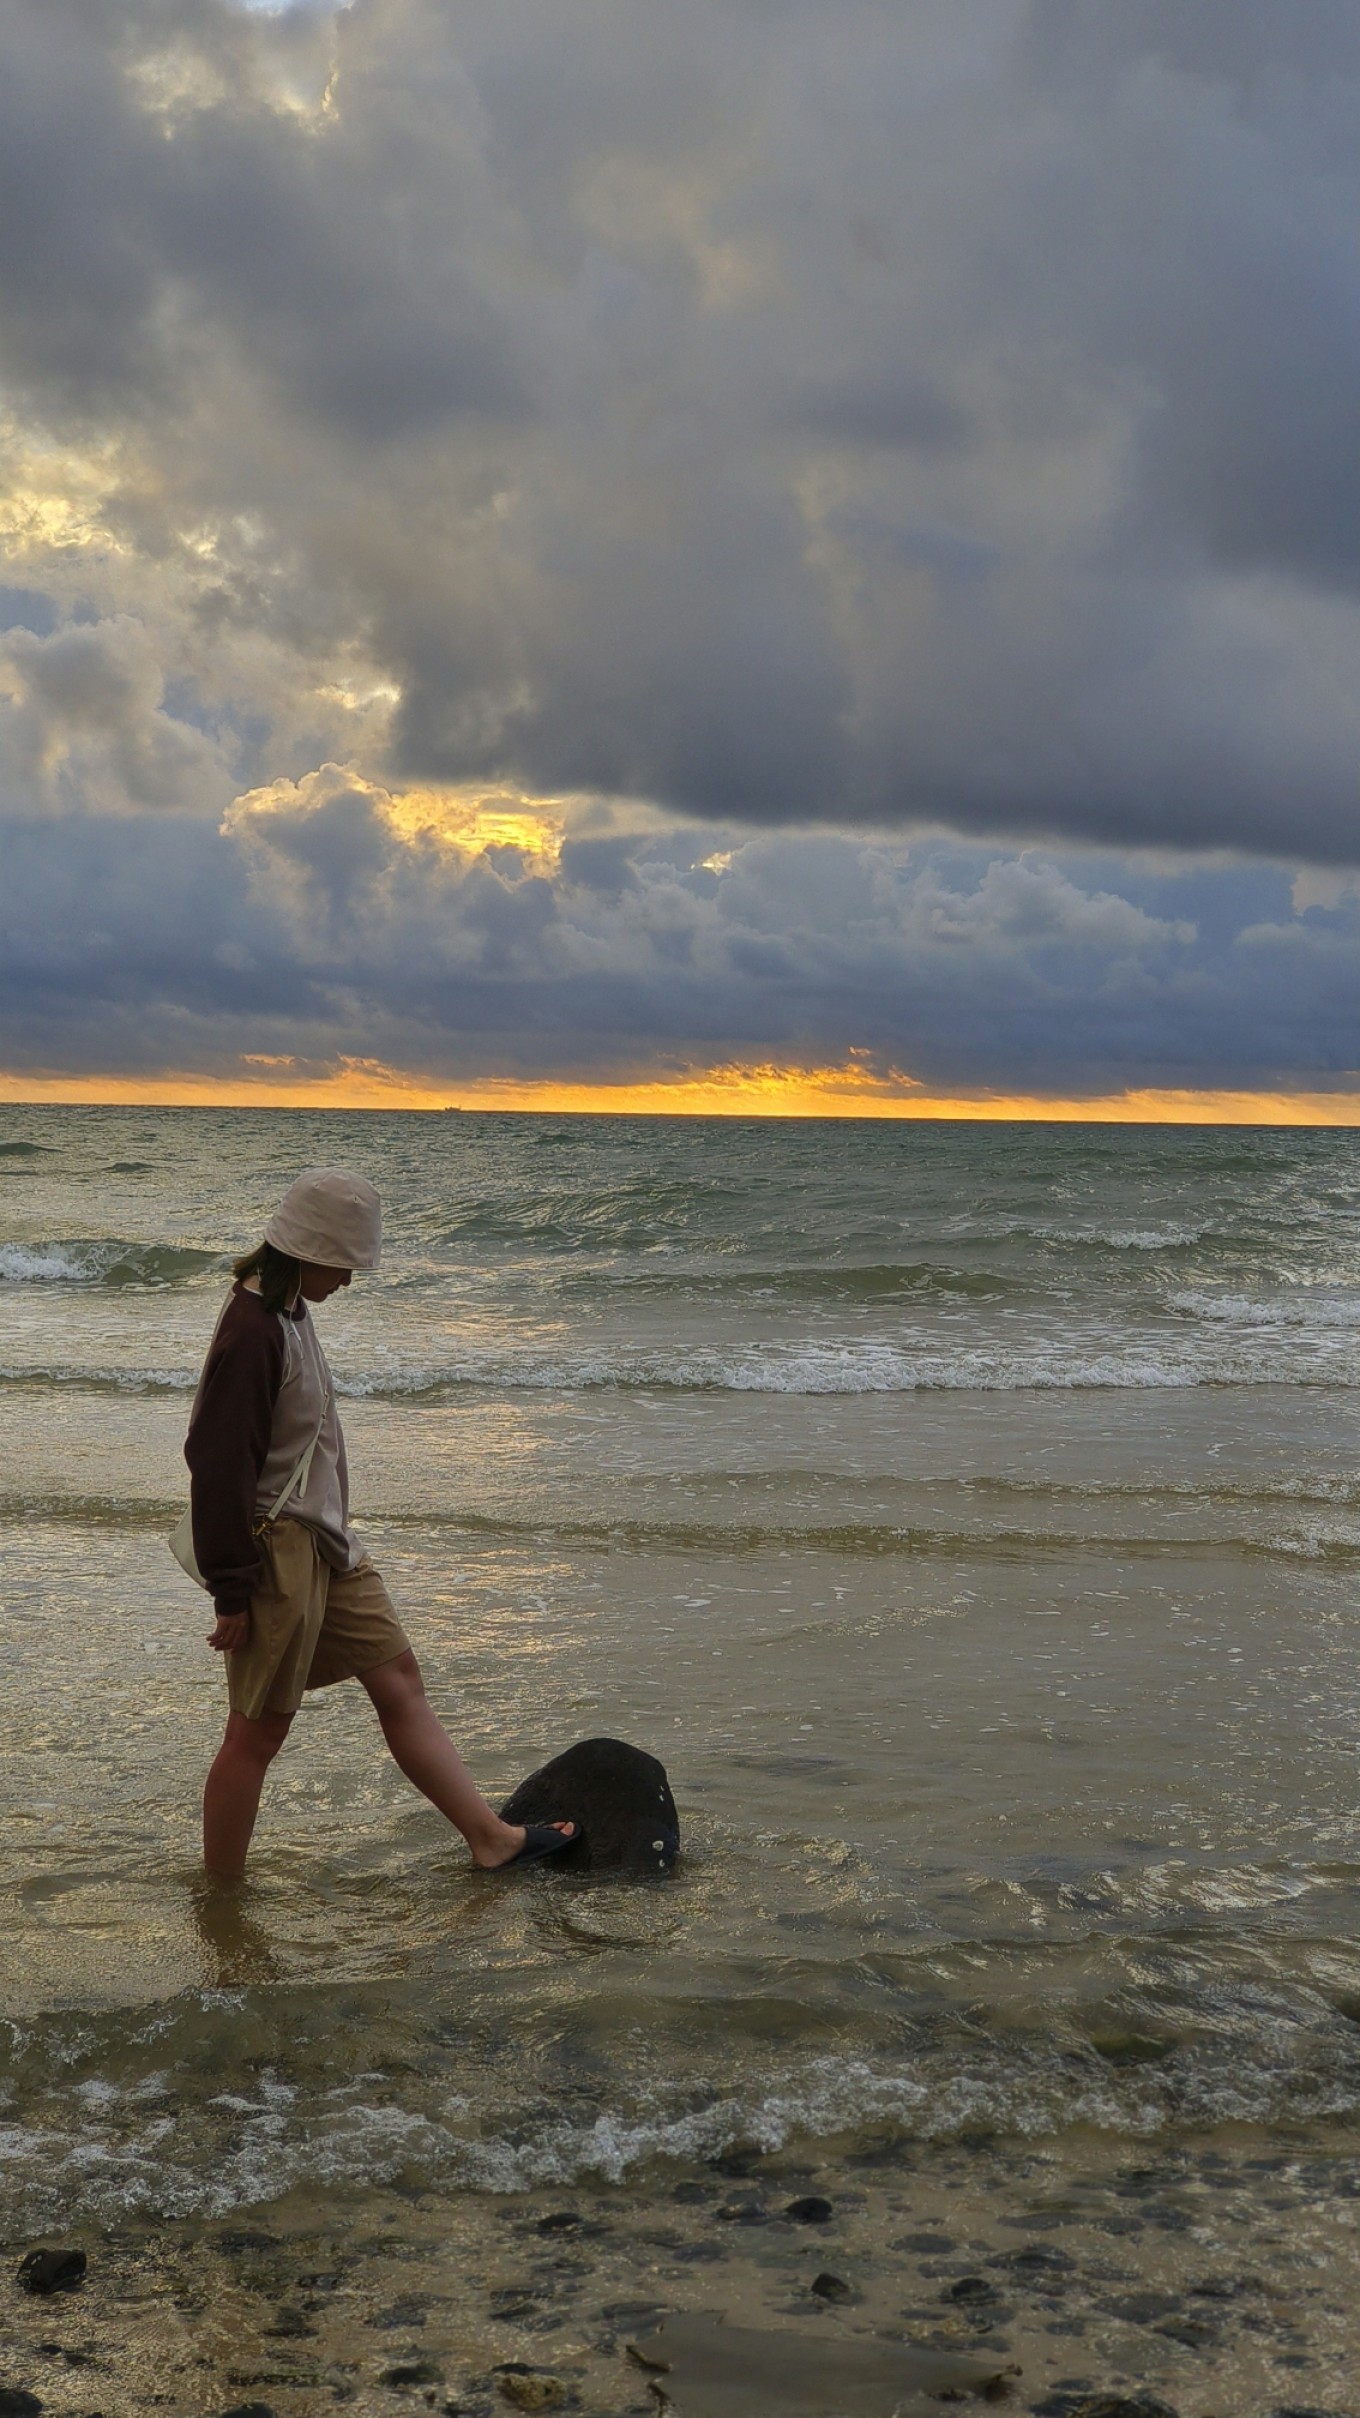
(531, 2388)
(52, 2270)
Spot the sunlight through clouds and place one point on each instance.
(552, 538)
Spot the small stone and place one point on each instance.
(973, 2290)
(52, 2270)
(288, 2324)
(1193, 2332)
(1141, 2308)
(534, 2390)
(1035, 2259)
(562, 2220)
(248, 2409)
(1123, 2405)
(810, 2211)
(743, 2212)
(413, 2371)
(831, 2287)
(16, 2403)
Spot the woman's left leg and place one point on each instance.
(423, 1749)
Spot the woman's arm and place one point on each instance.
(227, 1445)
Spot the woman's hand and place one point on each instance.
(231, 1632)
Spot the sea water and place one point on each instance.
(968, 1517)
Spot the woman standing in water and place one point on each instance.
(298, 1602)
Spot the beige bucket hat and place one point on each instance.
(331, 1217)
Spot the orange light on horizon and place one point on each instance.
(852, 1090)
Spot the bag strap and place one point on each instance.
(300, 1473)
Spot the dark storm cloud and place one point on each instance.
(823, 411)
(317, 926)
(936, 415)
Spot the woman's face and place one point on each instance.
(318, 1283)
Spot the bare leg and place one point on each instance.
(231, 1798)
(423, 1749)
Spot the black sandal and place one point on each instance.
(540, 1840)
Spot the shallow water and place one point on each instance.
(968, 1519)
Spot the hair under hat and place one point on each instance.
(331, 1217)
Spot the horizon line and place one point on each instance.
(820, 1094)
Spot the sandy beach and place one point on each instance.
(1217, 2279)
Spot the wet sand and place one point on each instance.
(1218, 2279)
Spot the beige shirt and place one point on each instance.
(323, 1504)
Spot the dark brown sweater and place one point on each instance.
(228, 1444)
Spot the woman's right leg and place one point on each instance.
(231, 1798)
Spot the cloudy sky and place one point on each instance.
(786, 549)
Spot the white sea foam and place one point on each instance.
(1268, 1352)
(42, 1264)
(1317, 1310)
(277, 2141)
(100, 1260)
(1125, 1362)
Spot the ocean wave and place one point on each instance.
(1306, 1308)
(101, 2151)
(102, 1260)
(1123, 1238)
(854, 1368)
(83, 1379)
(908, 1280)
(619, 1217)
(1289, 1357)
(28, 1150)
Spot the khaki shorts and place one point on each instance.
(310, 1625)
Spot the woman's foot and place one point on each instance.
(490, 1855)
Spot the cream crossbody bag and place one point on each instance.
(181, 1537)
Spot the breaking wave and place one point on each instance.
(102, 1261)
(106, 2149)
(1281, 1356)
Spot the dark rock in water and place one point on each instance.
(1081, 2402)
(52, 2270)
(742, 2212)
(413, 2371)
(248, 2409)
(832, 2287)
(531, 2388)
(1035, 2259)
(620, 1798)
(15, 2403)
(1193, 2333)
(971, 2288)
(1123, 2405)
(811, 2211)
(1141, 2308)
(562, 2220)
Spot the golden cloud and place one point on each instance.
(850, 1090)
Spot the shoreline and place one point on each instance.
(1216, 2276)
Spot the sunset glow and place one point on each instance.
(723, 1091)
